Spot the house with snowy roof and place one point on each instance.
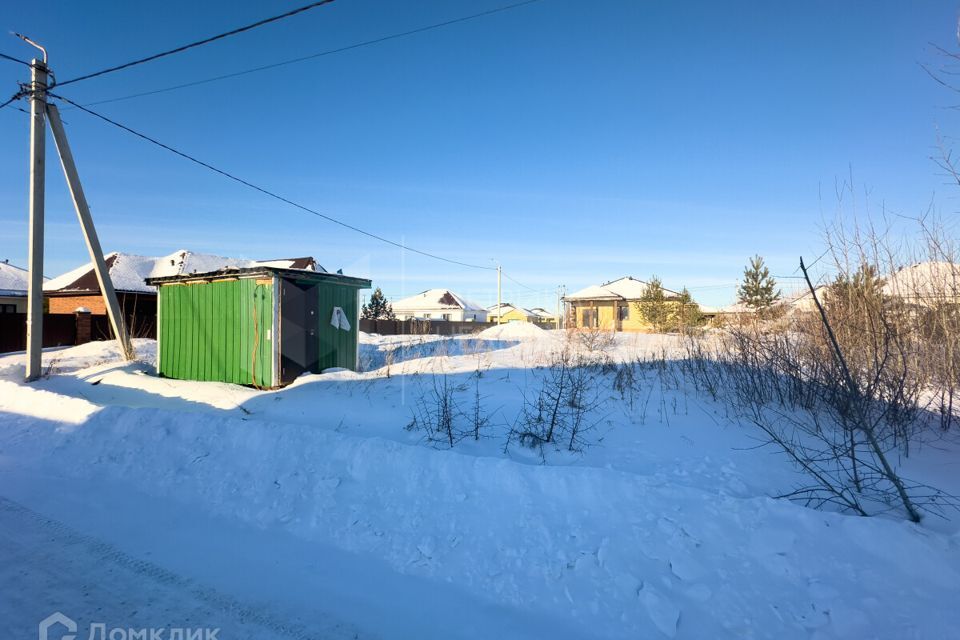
(925, 284)
(544, 315)
(438, 304)
(78, 288)
(13, 288)
(510, 313)
(610, 306)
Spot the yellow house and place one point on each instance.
(511, 313)
(610, 306)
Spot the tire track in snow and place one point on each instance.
(74, 543)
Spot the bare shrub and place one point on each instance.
(559, 413)
(435, 412)
(845, 386)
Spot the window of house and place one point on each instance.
(623, 313)
(427, 316)
(8, 308)
(590, 318)
(445, 316)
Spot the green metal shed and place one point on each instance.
(260, 326)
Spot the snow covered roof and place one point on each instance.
(507, 308)
(801, 300)
(593, 292)
(925, 281)
(626, 288)
(128, 272)
(736, 307)
(435, 299)
(13, 280)
(543, 313)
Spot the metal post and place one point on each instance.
(38, 85)
(499, 299)
(559, 305)
(89, 233)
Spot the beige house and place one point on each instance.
(610, 306)
(511, 313)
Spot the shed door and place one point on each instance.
(299, 344)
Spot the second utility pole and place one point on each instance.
(499, 301)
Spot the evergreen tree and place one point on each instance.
(759, 289)
(653, 304)
(860, 292)
(378, 308)
(687, 313)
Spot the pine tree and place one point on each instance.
(759, 289)
(687, 313)
(653, 304)
(378, 308)
(860, 293)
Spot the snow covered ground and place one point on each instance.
(315, 512)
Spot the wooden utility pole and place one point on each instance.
(38, 96)
(39, 112)
(89, 232)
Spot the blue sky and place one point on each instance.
(574, 142)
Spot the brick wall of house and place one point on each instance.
(68, 304)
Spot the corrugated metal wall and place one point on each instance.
(338, 348)
(217, 331)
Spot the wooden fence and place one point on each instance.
(59, 329)
(424, 327)
(66, 329)
(421, 327)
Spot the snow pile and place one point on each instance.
(616, 555)
(513, 331)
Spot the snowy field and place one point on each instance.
(324, 510)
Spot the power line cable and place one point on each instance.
(198, 43)
(321, 54)
(267, 192)
(14, 98)
(12, 59)
(507, 276)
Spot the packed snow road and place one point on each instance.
(57, 569)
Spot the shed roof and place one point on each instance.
(262, 270)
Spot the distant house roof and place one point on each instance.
(925, 282)
(506, 308)
(129, 272)
(626, 288)
(435, 299)
(543, 313)
(13, 280)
